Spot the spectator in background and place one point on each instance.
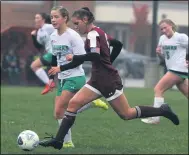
(12, 67)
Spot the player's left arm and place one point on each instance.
(183, 40)
(187, 57)
(117, 46)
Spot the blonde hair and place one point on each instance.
(169, 22)
(63, 11)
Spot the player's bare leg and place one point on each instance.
(183, 87)
(61, 103)
(165, 83)
(119, 105)
(81, 98)
(36, 66)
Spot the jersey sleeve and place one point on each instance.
(183, 40)
(49, 28)
(160, 40)
(48, 45)
(51, 45)
(93, 42)
(160, 44)
(77, 45)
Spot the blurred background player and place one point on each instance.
(97, 48)
(65, 41)
(173, 46)
(41, 38)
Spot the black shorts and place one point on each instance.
(110, 88)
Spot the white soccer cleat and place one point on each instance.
(151, 120)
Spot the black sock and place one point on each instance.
(66, 124)
(148, 111)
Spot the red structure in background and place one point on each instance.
(141, 27)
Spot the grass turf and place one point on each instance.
(95, 131)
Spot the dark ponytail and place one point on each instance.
(86, 8)
(84, 12)
(46, 17)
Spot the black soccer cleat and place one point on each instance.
(169, 114)
(51, 143)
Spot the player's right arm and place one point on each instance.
(93, 54)
(34, 38)
(76, 60)
(159, 49)
(159, 46)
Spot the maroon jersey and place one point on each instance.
(109, 37)
(104, 76)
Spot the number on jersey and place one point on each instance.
(167, 55)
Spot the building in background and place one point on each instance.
(115, 17)
(21, 13)
(17, 22)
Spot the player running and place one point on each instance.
(65, 41)
(98, 52)
(173, 46)
(41, 38)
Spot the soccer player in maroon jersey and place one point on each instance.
(105, 80)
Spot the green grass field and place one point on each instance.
(95, 131)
